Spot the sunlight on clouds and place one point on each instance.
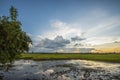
(58, 24)
(107, 50)
(61, 28)
(101, 40)
(85, 35)
(104, 25)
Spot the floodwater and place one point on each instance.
(62, 70)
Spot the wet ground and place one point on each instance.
(62, 70)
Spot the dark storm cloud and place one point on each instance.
(57, 42)
(78, 44)
(116, 41)
(86, 50)
(78, 38)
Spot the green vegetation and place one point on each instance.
(62, 56)
(13, 41)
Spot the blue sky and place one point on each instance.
(73, 23)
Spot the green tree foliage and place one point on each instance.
(13, 41)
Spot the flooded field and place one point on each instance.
(62, 70)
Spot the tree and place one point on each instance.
(13, 41)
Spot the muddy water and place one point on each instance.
(62, 70)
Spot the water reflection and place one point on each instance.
(62, 70)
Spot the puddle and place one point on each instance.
(62, 70)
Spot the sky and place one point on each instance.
(69, 25)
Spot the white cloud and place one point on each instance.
(62, 28)
(100, 27)
(103, 25)
(96, 27)
(101, 40)
(93, 35)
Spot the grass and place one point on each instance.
(67, 56)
